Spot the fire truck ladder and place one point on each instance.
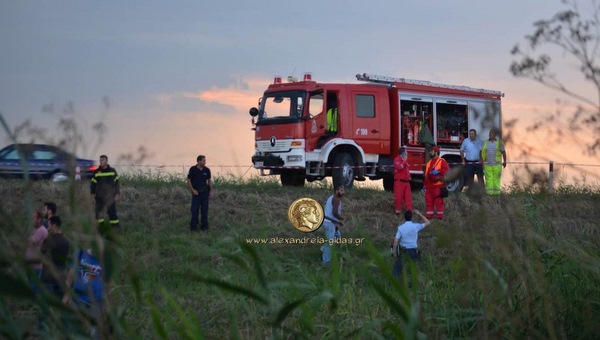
(391, 80)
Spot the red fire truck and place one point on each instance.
(375, 118)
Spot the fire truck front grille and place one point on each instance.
(280, 146)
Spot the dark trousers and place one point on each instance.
(96, 312)
(412, 253)
(34, 278)
(199, 203)
(472, 169)
(55, 289)
(111, 209)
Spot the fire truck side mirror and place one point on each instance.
(253, 112)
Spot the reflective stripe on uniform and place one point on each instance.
(104, 174)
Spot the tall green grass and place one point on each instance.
(522, 265)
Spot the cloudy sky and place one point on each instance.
(178, 77)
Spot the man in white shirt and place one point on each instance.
(469, 152)
(406, 240)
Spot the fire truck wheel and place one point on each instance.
(455, 180)
(343, 171)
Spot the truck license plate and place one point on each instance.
(258, 164)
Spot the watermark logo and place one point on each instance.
(306, 215)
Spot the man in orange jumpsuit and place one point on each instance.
(402, 193)
(435, 170)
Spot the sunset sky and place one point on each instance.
(178, 77)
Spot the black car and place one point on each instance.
(42, 161)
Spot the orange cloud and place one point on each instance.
(226, 139)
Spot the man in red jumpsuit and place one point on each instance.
(435, 170)
(402, 193)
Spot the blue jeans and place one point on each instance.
(199, 203)
(35, 284)
(34, 281)
(329, 235)
(412, 254)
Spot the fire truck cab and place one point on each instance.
(368, 123)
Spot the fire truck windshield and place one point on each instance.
(282, 107)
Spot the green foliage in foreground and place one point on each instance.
(516, 266)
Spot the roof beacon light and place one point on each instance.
(277, 80)
(307, 76)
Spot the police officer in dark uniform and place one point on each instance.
(106, 191)
(200, 183)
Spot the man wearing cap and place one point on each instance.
(435, 170)
(402, 194)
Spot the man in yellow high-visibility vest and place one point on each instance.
(332, 122)
(493, 158)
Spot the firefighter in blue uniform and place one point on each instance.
(105, 192)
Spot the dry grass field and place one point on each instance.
(522, 265)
